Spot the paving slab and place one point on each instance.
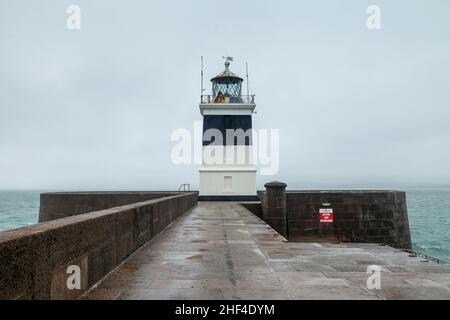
(220, 250)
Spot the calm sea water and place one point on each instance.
(429, 220)
(428, 208)
(18, 209)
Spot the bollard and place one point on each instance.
(275, 207)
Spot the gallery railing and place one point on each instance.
(227, 99)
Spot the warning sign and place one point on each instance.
(326, 215)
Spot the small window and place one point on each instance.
(228, 186)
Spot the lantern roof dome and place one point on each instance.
(227, 74)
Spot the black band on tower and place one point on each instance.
(235, 130)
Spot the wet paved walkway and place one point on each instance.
(223, 251)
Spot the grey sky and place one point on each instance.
(94, 109)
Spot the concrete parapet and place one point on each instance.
(34, 260)
(57, 205)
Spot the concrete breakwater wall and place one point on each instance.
(34, 260)
(57, 205)
(364, 215)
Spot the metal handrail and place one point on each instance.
(411, 252)
(183, 186)
(426, 256)
(248, 99)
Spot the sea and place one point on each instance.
(428, 211)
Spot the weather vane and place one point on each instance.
(227, 61)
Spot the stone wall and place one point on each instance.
(34, 260)
(372, 216)
(57, 205)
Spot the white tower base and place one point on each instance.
(227, 181)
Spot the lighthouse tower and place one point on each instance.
(227, 171)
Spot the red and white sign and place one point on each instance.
(326, 215)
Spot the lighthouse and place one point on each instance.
(228, 171)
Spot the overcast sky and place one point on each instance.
(94, 108)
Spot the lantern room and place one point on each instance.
(227, 83)
(227, 86)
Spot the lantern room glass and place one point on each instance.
(227, 86)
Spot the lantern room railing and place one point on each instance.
(227, 99)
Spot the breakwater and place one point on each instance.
(35, 260)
